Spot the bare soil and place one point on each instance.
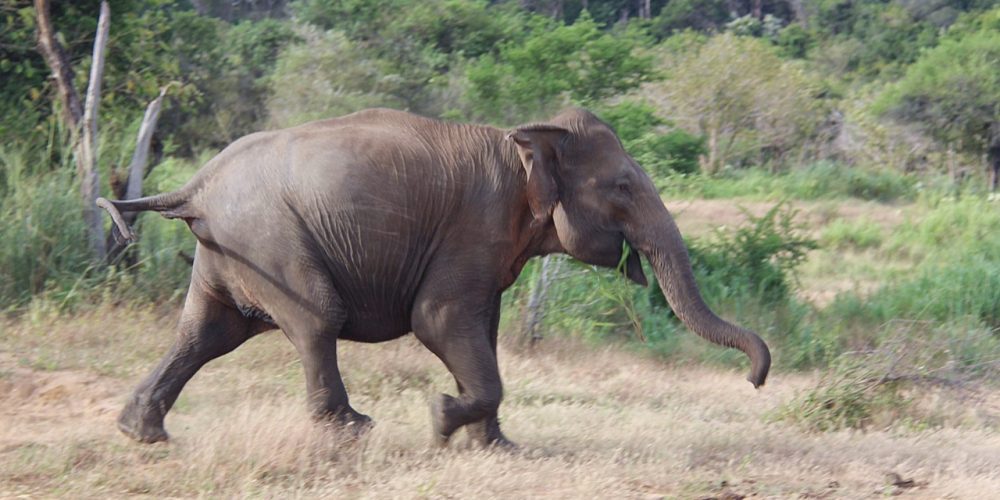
(592, 422)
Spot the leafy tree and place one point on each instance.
(658, 147)
(418, 42)
(326, 75)
(953, 92)
(874, 36)
(556, 63)
(749, 104)
(700, 15)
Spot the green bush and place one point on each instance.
(759, 258)
(661, 152)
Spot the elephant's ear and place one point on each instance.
(539, 147)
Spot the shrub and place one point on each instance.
(661, 152)
(758, 259)
(747, 274)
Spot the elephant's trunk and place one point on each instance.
(660, 241)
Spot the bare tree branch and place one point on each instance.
(86, 156)
(137, 168)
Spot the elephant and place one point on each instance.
(373, 225)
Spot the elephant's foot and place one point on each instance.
(348, 420)
(486, 433)
(442, 425)
(143, 427)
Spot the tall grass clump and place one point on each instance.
(42, 233)
(43, 252)
(161, 271)
(859, 234)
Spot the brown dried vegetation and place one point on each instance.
(592, 422)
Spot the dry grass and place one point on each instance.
(593, 423)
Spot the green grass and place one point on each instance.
(818, 181)
(858, 234)
(43, 251)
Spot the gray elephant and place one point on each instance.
(381, 223)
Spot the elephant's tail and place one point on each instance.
(170, 205)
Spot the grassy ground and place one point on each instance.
(601, 422)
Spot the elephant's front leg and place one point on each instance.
(459, 332)
(487, 432)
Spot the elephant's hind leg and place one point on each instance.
(207, 329)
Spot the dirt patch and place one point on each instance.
(35, 405)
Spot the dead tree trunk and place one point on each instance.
(81, 120)
(645, 9)
(86, 155)
(993, 157)
(536, 300)
(137, 167)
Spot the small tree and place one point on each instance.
(736, 91)
(953, 92)
(556, 63)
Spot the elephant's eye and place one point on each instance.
(623, 187)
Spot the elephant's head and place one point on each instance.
(598, 198)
